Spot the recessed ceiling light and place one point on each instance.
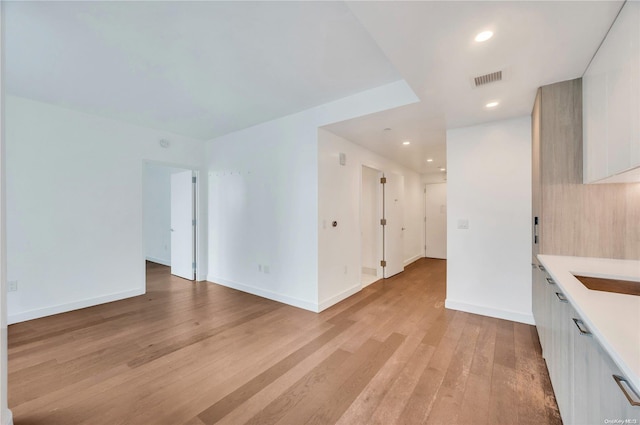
(406, 142)
(387, 129)
(429, 160)
(484, 36)
(443, 169)
(492, 104)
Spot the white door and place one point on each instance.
(436, 220)
(394, 229)
(182, 225)
(370, 229)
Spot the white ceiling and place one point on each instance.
(204, 69)
(432, 45)
(201, 69)
(407, 123)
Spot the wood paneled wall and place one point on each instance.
(536, 201)
(598, 220)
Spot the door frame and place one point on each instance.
(200, 272)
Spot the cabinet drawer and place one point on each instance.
(615, 395)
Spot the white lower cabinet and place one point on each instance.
(598, 398)
(561, 352)
(581, 372)
(585, 363)
(539, 306)
(614, 406)
(542, 297)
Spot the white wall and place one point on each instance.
(489, 184)
(369, 218)
(74, 206)
(339, 257)
(263, 199)
(436, 220)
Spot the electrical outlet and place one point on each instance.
(12, 286)
(463, 223)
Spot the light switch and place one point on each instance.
(463, 223)
(343, 158)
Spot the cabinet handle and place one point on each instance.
(550, 281)
(627, 392)
(561, 297)
(580, 325)
(541, 267)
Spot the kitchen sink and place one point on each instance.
(619, 286)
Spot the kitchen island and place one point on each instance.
(588, 336)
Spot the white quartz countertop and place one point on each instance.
(613, 319)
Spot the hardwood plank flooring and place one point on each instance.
(201, 354)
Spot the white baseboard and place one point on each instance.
(412, 259)
(339, 297)
(295, 302)
(435, 257)
(369, 270)
(514, 316)
(159, 261)
(76, 305)
(8, 417)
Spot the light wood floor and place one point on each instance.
(197, 354)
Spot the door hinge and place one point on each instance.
(193, 265)
(383, 221)
(383, 180)
(193, 222)
(383, 263)
(193, 179)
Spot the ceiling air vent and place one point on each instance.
(487, 78)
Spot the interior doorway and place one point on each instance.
(169, 218)
(381, 224)
(435, 221)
